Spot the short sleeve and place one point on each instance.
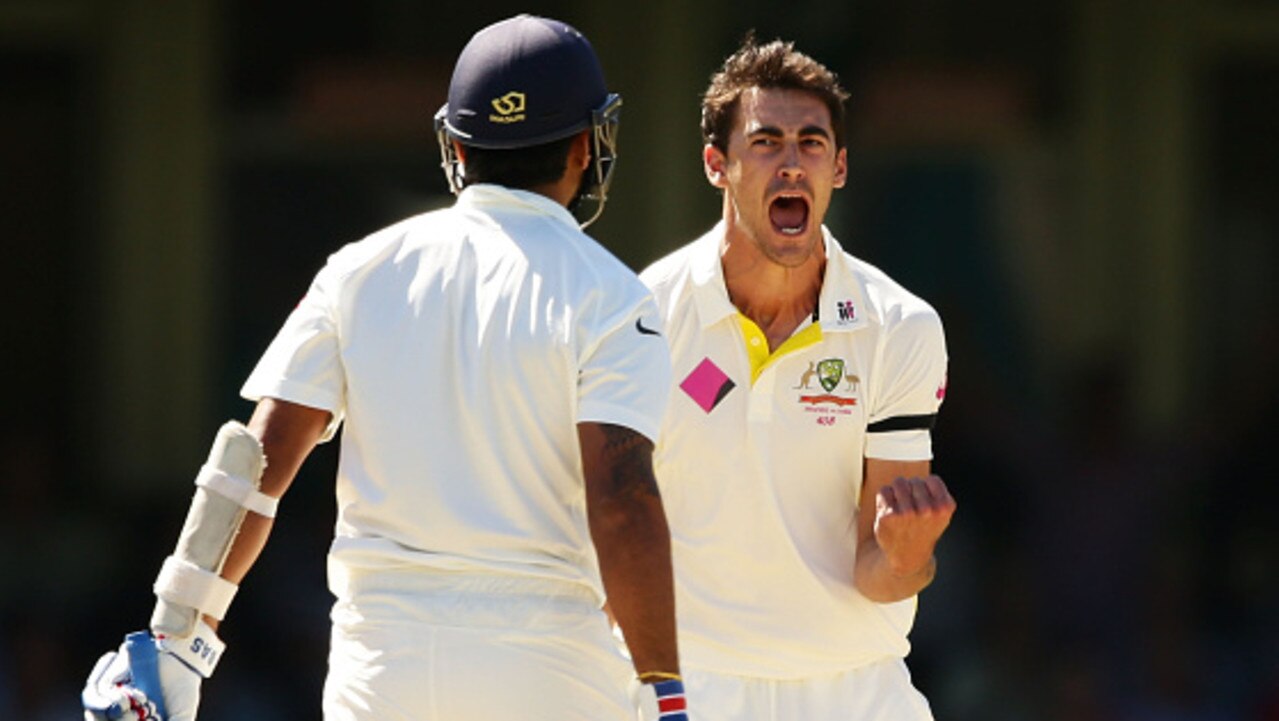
(303, 363)
(911, 387)
(624, 377)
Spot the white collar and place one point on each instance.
(841, 306)
(487, 195)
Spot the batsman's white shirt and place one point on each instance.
(760, 462)
(462, 347)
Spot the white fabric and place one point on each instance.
(440, 647)
(762, 491)
(881, 691)
(462, 347)
(237, 489)
(186, 584)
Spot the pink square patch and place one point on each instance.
(707, 385)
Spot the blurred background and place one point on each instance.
(1085, 189)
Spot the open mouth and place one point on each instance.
(789, 214)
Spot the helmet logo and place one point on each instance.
(509, 107)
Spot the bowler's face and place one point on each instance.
(779, 172)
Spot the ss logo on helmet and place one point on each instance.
(509, 107)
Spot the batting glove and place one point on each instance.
(152, 678)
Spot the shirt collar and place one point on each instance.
(486, 196)
(707, 276)
(841, 305)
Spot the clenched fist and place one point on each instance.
(910, 515)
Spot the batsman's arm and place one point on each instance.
(632, 540)
(157, 673)
(902, 512)
(288, 432)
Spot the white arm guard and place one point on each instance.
(227, 486)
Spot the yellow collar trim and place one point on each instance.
(757, 344)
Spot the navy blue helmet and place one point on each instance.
(527, 81)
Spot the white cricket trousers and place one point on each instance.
(881, 691)
(413, 646)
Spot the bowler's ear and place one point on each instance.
(841, 167)
(714, 162)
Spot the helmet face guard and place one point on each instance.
(449, 161)
(595, 181)
(597, 178)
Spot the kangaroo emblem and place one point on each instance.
(808, 376)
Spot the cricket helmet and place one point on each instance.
(527, 81)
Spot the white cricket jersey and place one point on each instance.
(461, 348)
(760, 461)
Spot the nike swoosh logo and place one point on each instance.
(639, 326)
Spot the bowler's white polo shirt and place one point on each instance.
(462, 347)
(760, 461)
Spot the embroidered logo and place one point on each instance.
(807, 377)
(509, 107)
(833, 377)
(847, 312)
(830, 373)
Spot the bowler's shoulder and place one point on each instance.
(887, 300)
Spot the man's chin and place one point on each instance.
(792, 251)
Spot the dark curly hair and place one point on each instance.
(773, 65)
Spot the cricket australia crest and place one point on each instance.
(830, 373)
(841, 388)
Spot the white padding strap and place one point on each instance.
(186, 584)
(238, 490)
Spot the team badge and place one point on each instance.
(830, 373)
(841, 388)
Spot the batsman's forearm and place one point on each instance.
(244, 551)
(287, 432)
(247, 547)
(633, 543)
(880, 581)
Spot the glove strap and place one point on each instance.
(200, 651)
